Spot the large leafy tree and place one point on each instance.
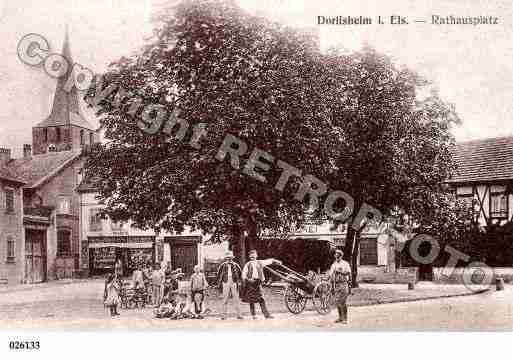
(394, 146)
(214, 64)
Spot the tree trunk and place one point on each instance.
(350, 253)
(243, 251)
(252, 235)
(354, 262)
(238, 245)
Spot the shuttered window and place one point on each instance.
(10, 249)
(9, 200)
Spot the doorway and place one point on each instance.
(35, 256)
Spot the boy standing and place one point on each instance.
(198, 286)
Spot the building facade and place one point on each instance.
(12, 251)
(47, 243)
(484, 178)
(104, 241)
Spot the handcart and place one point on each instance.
(300, 289)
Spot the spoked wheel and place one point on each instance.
(322, 298)
(295, 299)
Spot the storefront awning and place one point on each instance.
(121, 241)
(121, 245)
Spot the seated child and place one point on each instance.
(166, 309)
(180, 306)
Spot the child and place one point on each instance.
(138, 277)
(111, 294)
(199, 285)
(166, 309)
(157, 282)
(180, 305)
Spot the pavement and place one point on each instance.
(78, 304)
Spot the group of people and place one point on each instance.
(238, 284)
(245, 284)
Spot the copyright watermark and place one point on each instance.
(154, 119)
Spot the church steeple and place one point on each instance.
(66, 127)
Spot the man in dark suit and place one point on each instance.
(229, 279)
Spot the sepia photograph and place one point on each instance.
(180, 167)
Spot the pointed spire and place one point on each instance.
(66, 109)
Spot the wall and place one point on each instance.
(457, 274)
(380, 274)
(88, 201)
(63, 184)
(483, 191)
(70, 138)
(12, 225)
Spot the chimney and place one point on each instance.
(5, 156)
(27, 151)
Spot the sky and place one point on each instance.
(471, 65)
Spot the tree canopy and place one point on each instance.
(354, 121)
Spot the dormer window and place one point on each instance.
(52, 148)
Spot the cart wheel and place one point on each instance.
(322, 298)
(295, 299)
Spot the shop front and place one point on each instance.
(105, 251)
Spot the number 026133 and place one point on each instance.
(24, 345)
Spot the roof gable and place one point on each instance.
(484, 160)
(38, 169)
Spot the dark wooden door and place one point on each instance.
(35, 256)
(185, 256)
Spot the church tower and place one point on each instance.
(66, 128)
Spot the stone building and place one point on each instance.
(12, 263)
(45, 222)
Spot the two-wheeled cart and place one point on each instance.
(301, 288)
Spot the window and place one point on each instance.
(95, 221)
(82, 139)
(117, 226)
(9, 200)
(10, 249)
(45, 134)
(63, 243)
(498, 205)
(64, 206)
(91, 138)
(78, 176)
(58, 134)
(368, 251)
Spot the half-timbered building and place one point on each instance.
(484, 178)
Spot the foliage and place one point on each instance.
(240, 75)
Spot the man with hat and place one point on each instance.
(253, 277)
(340, 274)
(229, 279)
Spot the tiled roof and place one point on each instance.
(8, 175)
(484, 160)
(38, 168)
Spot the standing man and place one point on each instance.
(253, 277)
(340, 273)
(157, 281)
(229, 277)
